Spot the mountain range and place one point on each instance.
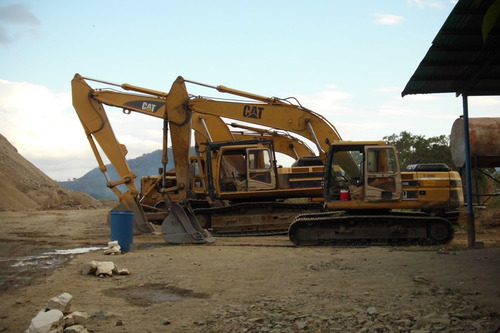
(94, 182)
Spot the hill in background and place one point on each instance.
(94, 182)
(25, 187)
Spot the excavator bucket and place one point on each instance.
(181, 227)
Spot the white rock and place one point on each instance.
(89, 268)
(113, 244)
(75, 329)
(301, 325)
(47, 322)
(105, 268)
(372, 311)
(80, 317)
(113, 250)
(123, 271)
(69, 320)
(61, 303)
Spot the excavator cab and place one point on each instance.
(232, 169)
(245, 169)
(260, 171)
(240, 166)
(377, 177)
(382, 174)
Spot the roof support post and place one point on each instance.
(471, 232)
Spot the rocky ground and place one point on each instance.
(246, 284)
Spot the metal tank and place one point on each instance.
(484, 136)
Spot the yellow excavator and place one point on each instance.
(432, 189)
(151, 199)
(262, 177)
(241, 190)
(376, 205)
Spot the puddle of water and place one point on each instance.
(41, 260)
(78, 250)
(19, 271)
(48, 259)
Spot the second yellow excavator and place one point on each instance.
(244, 137)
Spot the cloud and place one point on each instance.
(4, 36)
(389, 89)
(37, 121)
(425, 3)
(329, 101)
(388, 19)
(485, 101)
(45, 129)
(347, 112)
(19, 16)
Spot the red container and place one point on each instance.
(344, 195)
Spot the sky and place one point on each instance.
(347, 60)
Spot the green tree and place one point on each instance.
(414, 149)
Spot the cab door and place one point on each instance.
(382, 174)
(260, 171)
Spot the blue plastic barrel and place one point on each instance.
(122, 228)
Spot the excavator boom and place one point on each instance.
(274, 113)
(99, 132)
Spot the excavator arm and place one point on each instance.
(278, 115)
(274, 113)
(209, 128)
(89, 105)
(100, 133)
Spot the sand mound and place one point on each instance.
(24, 187)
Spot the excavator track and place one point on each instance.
(252, 218)
(391, 228)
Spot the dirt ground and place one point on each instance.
(260, 284)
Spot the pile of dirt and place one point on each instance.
(24, 187)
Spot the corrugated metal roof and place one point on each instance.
(459, 59)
